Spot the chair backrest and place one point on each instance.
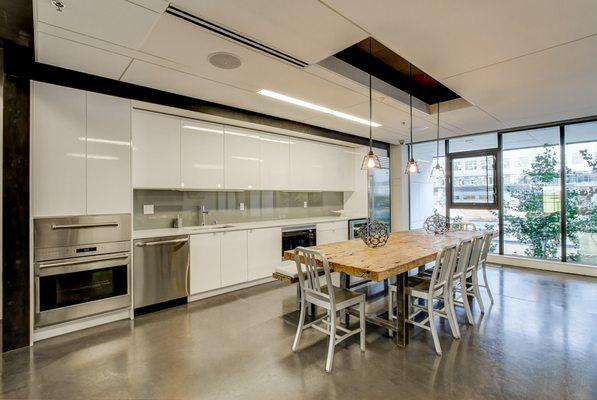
(443, 269)
(464, 255)
(309, 275)
(476, 252)
(487, 238)
(463, 226)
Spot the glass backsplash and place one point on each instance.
(224, 207)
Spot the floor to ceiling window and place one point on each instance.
(531, 193)
(522, 182)
(581, 192)
(428, 194)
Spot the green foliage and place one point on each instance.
(538, 226)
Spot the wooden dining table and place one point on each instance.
(404, 251)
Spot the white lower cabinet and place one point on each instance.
(332, 232)
(264, 252)
(233, 259)
(205, 262)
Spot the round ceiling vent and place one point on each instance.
(224, 60)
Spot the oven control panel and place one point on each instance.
(56, 253)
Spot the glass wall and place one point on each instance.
(379, 188)
(531, 193)
(581, 193)
(542, 175)
(427, 193)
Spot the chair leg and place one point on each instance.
(465, 303)
(486, 283)
(332, 342)
(390, 310)
(477, 292)
(430, 311)
(299, 328)
(362, 323)
(449, 308)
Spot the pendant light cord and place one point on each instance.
(410, 99)
(370, 101)
(437, 144)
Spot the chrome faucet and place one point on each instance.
(202, 214)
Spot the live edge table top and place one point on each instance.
(404, 251)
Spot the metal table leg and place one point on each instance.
(401, 310)
(345, 284)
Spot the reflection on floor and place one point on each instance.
(538, 341)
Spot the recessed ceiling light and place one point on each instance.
(224, 60)
(311, 106)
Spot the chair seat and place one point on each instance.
(288, 268)
(343, 298)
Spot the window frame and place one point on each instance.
(449, 181)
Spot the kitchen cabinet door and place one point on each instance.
(202, 155)
(306, 165)
(58, 151)
(332, 232)
(108, 154)
(275, 162)
(156, 151)
(205, 262)
(348, 165)
(233, 258)
(264, 252)
(241, 167)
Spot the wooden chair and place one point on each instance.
(435, 291)
(329, 297)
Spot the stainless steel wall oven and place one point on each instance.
(82, 266)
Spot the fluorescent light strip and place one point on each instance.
(311, 106)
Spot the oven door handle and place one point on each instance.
(161, 242)
(82, 260)
(90, 225)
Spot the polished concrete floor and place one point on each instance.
(538, 341)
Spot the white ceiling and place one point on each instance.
(516, 62)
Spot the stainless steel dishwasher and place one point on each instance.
(160, 270)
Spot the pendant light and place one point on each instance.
(371, 160)
(437, 171)
(411, 165)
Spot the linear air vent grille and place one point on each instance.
(231, 35)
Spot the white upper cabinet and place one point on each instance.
(108, 154)
(242, 159)
(349, 164)
(202, 155)
(306, 165)
(156, 150)
(58, 151)
(264, 252)
(275, 162)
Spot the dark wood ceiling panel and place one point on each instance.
(393, 69)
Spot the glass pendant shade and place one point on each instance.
(437, 171)
(411, 167)
(370, 161)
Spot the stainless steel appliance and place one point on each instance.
(81, 266)
(161, 270)
(353, 227)
(294, 237)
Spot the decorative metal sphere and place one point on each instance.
(374, 233)
(436, 223)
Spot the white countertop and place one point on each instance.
(239, 226)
